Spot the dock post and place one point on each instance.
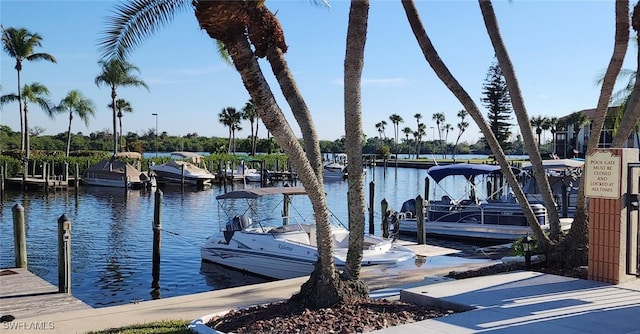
(19, 238)
(385, 221)
(372, 191)
(25, 171)
(182, 178)
(2, 175)
(426, 188)
(420, 221)
(64, 254)
(45, 175)
(157, 228)
(77, 176)
(66, 172)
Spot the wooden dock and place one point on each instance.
(23, 294)
(35, 183)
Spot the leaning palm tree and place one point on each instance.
(448, 80)
(20, 44)
(76, 103)
(117, 73)
(34, 93)
(121, 105)
(248, 30)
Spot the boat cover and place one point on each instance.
(556, 164)
(467, 170)
(259, 192)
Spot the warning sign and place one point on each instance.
(602, 175)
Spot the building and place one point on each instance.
(574, 130)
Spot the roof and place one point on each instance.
(259, 192)
(556, 164)
(467, 170)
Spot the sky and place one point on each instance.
(558, 48)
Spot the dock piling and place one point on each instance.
(157, 228)
(420, 221)
(384, 205)
(64, 254)
(372, 224)
(19, 236)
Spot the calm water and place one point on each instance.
(112, 235)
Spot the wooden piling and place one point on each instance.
(426, 188)
(384, 205)
(64, 254)
(157, 229)
(19, 236)
(372, 227)
(182, 178)
(45, 175)
(420, 221)
(2, 176)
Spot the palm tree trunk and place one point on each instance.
(298, 108)
(115, 128)
(353, 65)
(69, 133)
(447, 78)
(22, 130)
(522, 116)
(26, 132)
(120, 134)
(323, 283)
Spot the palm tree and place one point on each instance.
(447, 78)
(447, 128)
(229, 22)
(20, 44)
(230, 118)
(522, 116)
(407, 131)
(76, 103)
(577, 120)
(553, 128)
(418, 135)
(396, 120)
(249, 113)
(353, 65)
(462, 127)
(380, 129)
(117, 73)
(121, 105)
(34, 93)
(537, 122)
(439, 118)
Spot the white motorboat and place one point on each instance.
(288, 248)
(116, 172)
(175, 171)
(480, 214)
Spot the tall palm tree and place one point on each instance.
(76, 103)
(353, 65)
(553, 128)
(121, 105)
(522, 116)
(249, 113)
(407, 131)
(449, 80)
(462, 127)
(20, 44)
(396, 120)
(230, 118)
(537, 122)
(439, 118)
(447, 128)
(114, 74)
(380, 129)
(238, 25)
(422, 130)
(34, 93)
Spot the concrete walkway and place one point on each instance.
(527, 302)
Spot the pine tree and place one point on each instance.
(497, 100)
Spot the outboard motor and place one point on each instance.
(237, 223)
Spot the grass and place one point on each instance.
(167, 327)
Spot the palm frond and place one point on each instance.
(130, 24)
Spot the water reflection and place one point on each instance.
(112, 234)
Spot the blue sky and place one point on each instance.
(558, 48)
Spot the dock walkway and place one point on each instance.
(23, 295)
